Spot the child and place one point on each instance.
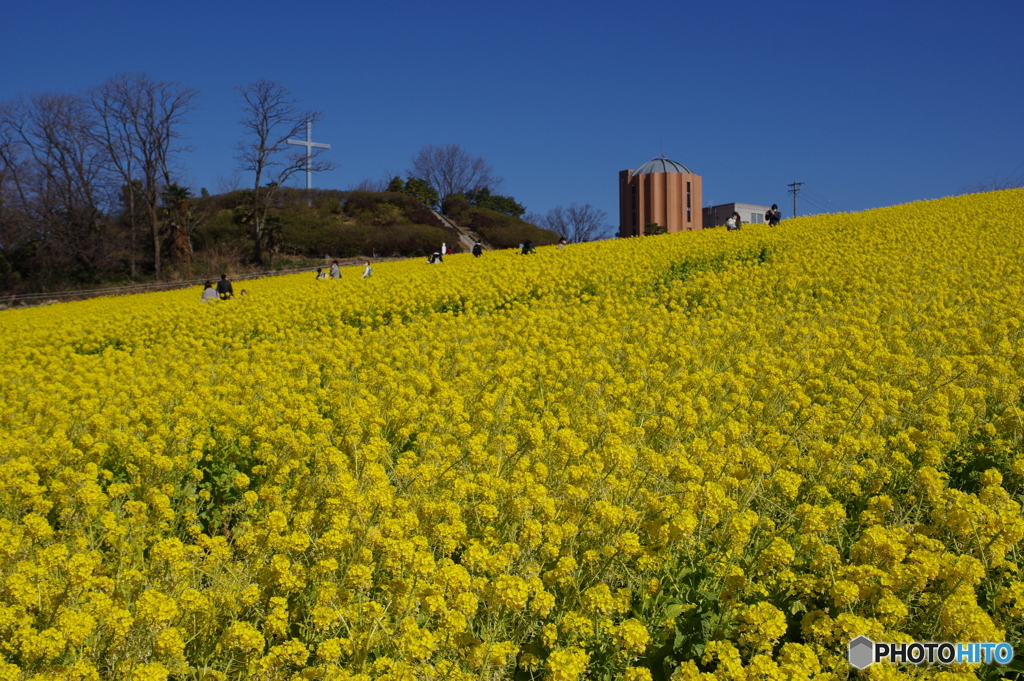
(368, 271)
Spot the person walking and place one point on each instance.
(444, 249)
(335, 270)
(368, 271)
(773, 216)
(224, 288)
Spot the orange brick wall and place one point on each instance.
(660, 198)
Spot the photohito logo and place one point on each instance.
(864, 652)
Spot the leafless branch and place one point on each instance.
(270, 117)
(577, 223)
(451, 170)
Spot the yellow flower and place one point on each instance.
(632, 636)
(511, 592)
(244, 637)
(152, 671)
(567, 664)
(156, 607)
(170, 643)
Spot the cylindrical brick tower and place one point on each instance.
(660, 191)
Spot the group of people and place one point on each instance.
(224, 290)
(438, 256)
(336, 271)
(772, 217)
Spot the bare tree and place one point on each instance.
(53, 174)
(379, 185)
(271, 116)
(139, 125)
(995, 183)
(577, 223)
(226, 184)
(451, 170)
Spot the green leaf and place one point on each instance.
(673, 611)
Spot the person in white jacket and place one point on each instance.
(209, 293)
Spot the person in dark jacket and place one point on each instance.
(224, 288)
(773, 216)
(478, 250)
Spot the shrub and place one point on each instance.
(505, 231)
(423, 216)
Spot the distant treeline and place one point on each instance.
(301, 225)
(91, 192)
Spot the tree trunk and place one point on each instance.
(257, 241)
(132, 232)
(156, 247)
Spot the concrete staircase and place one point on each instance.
(467, 237)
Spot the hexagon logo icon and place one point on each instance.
(862, 652)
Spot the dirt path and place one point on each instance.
(467, 237)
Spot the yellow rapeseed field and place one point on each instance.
(685, 456)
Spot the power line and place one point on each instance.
(824, 198)
(1010, 177)
(818, 208)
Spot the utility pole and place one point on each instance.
(794, 190)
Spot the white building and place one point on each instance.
(749, 214)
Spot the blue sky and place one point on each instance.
(870, 104)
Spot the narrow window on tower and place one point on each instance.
(633, 202)
(688, 218)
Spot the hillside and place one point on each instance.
(350, 224)
(205, 236)
(715, 452)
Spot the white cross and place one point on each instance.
(309, 144)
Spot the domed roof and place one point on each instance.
(661, 165)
